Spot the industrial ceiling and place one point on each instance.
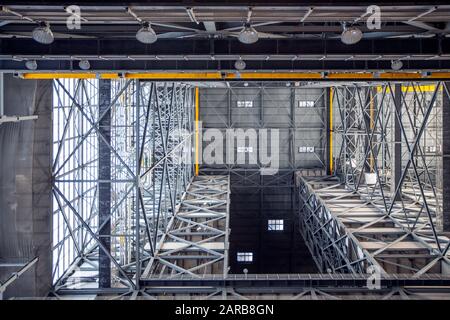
(193, 36)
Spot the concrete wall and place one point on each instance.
(25, 185)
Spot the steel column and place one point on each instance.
(446, 157)
(396, 158)
(328, 130)
(104, 188)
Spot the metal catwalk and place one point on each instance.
(382, 207)
(140, 215)
(196, 242)
(347, 232)
(122, 163)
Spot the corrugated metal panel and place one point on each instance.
(272, 108)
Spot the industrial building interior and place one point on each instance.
(207, 150)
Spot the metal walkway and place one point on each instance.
(348, 232)
(280, 286)
(196, 241)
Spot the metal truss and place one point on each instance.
(122, 163)
(280, 286)
(331, 246)
(196, 241)
(219, 55)
(384, 202)
(194, 38)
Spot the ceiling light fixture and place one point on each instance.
(240, 64)
(42, 33)
(351, 35)
(248, 35)
(31, 64)
(146, 34)
(84, 65)
(396, 64)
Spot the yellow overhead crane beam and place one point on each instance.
(197, 130)
(149, 75)
(68, 75)
(205, 76)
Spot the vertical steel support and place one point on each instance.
(373, 115)
(133, 151)
(2, 108)
(446, 156)
(104, 184)
(405, 118)
(329, 130)
(137, 182)
(396, 170)
(197, 141)
(292, 128)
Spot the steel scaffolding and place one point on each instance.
(196, 241)
(280, 286)
(131, 219)
(122, 164)
(384, 205)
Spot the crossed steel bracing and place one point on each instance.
(145, 130)
(277, 286)
(196, 241)
(384, 206)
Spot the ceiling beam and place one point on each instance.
(283, 54)
(222, 66)
(239, 3)
(437, 46)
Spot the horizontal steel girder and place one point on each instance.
(283, 54)
(298, 280)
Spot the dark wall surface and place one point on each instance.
(255, 200)
(25, 186)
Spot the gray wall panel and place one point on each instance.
(273, 107)
(25, 185)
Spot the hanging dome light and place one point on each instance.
(31, 64)
(146, 34)
(396, 64)
(84, 65)
(351, 35)
(240, 64)
(248, 35)
(43, 34)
